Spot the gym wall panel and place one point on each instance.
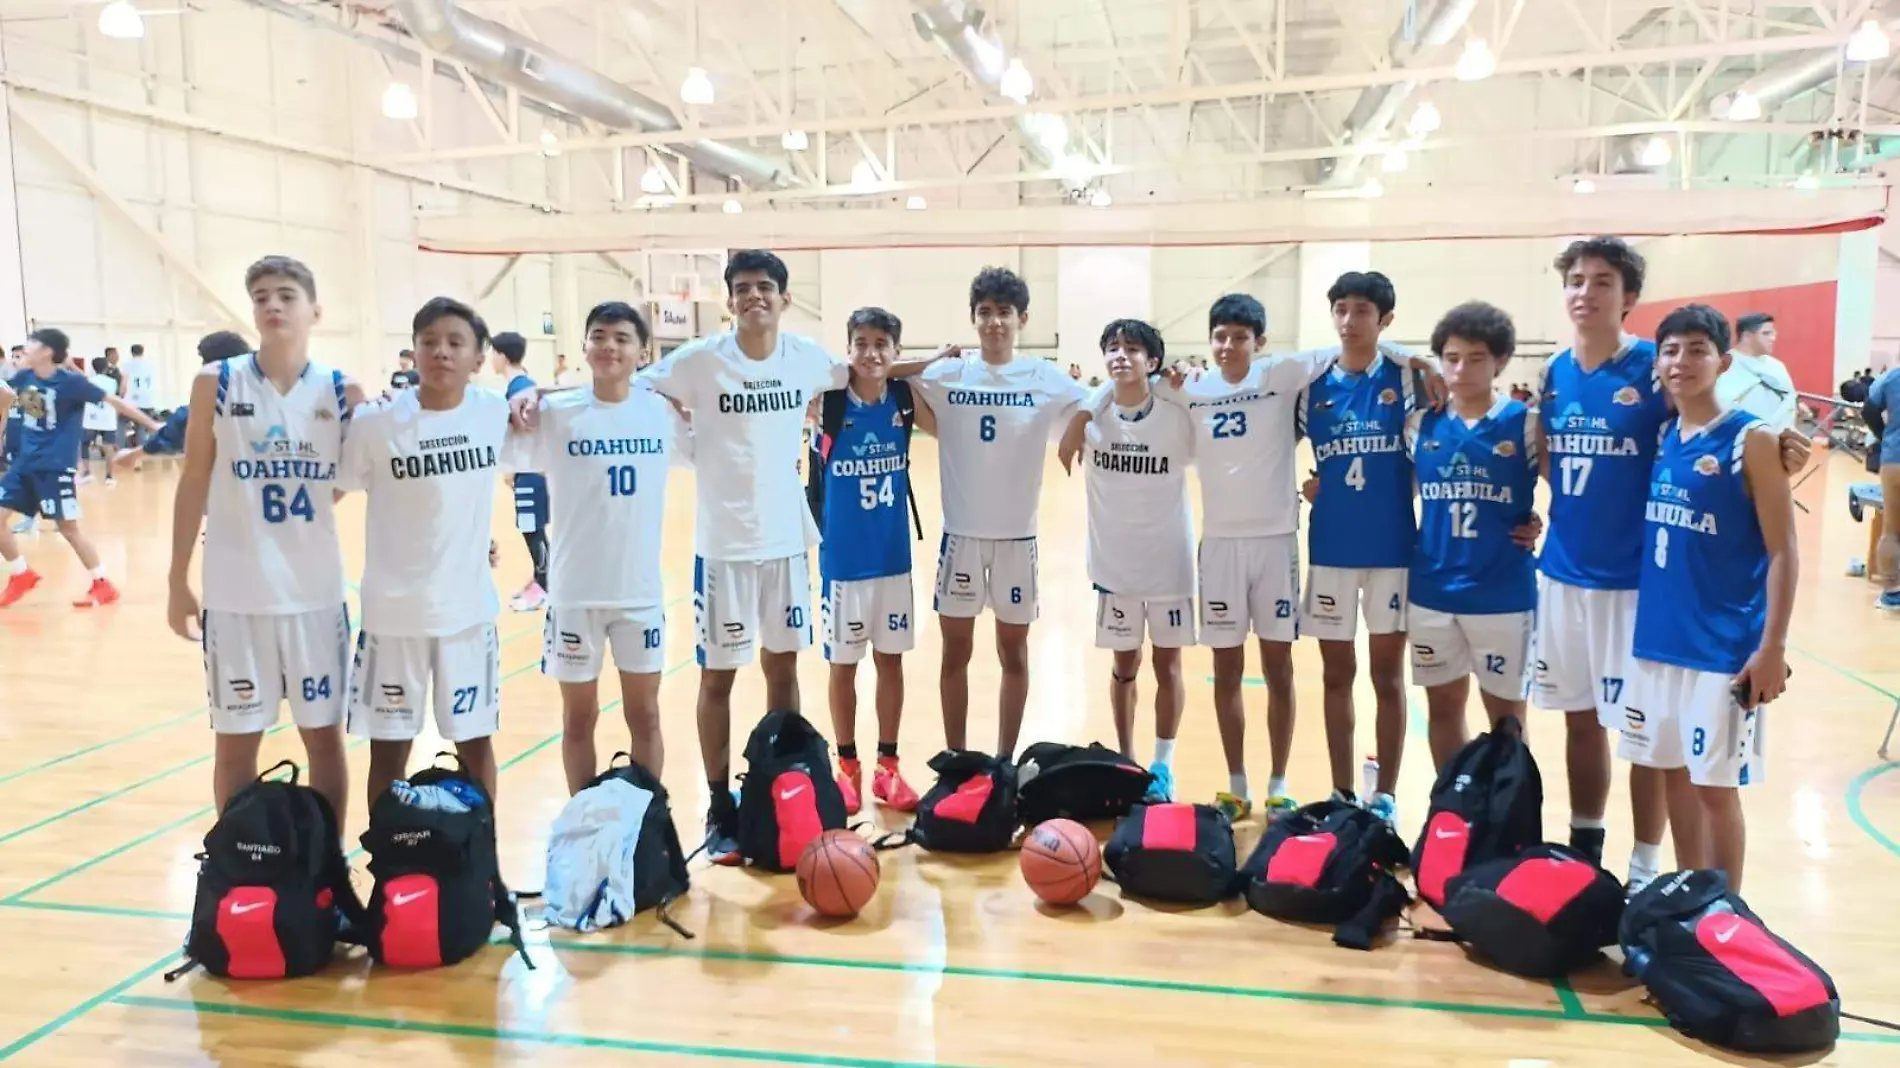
(1804, 324)
(1095, 286)
(60, 231)
(1187, 280)
(1432, 277)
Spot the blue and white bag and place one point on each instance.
(614, 852)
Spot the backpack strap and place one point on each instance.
(907, 411)
(897, 839)
(1388, 901)
(279, 766)
(831, 406)
(509, 915)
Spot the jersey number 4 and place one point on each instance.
(874, 491)
(276, 510)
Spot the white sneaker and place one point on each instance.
(531, 597)
(25, 525)
(1639, 878)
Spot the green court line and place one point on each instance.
(84, 1007)
(99, 910)
(510, 1034)
(1859, 815)
(1849, 674)
(1567, 997)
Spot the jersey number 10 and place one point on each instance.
(622, 480)
(276, 510)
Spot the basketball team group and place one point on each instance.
(1654, 614)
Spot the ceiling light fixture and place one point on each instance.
(121, 21)
(399, 101)
(653, 181)
(1656, 152)
(1395, 161)
(794, 141)
(1100, 198)
(732, 207)
(1738, 106)
(1868, 44)
(550, 144)
(1424, 121)
(1476, 63)
(1583, 185)
(1017, 83)
(1051, 130)
(863, 175)
(914, 203)
(696, 87)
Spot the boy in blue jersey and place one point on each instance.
(1473, 578)
(1717, 588)
(864, 561)
(530, 487)
(1361, 533)
(1883, 397)
(169, 439)
(52, 401)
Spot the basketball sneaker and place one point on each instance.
(1233, 806)
(1280, 805)
(1889, 601)
(101, 593)
(851, 785)
(1384, 806)
(26, 524)
(1161, 789)
(889, 787)
(722, 830)
(531, 597)
(18, 585)
(1588, 841)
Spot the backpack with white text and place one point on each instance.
(787, 796)
(833, 407)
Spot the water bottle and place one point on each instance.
(1369, 778)
(1635, 961)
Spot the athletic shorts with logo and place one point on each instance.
(1679, 717)
(397, 679)
(1582, 649)
(254, 663)
(1249, 584)
(994, 573)
(1123, 622)
(743, 606)
(1335, 597)
(575, 642)
(1495, 647)
(48, 494)
(875, 614)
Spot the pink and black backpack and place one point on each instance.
(787, 797)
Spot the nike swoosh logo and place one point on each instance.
(403, 899)
(787, 795)
(1441, 833)
(1724, 936)
(239, 910)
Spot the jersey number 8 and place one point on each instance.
(276, 511)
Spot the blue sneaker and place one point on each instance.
(1161, 790)
(1889, 601)
(1384, 806)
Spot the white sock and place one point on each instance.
(99, 573)
(1237, 784)
(1646, 856)
(1585, 823)
(17, 565)
(1276, 786)
(1164, 750)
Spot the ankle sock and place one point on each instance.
(847, 750)
(17, 565)
(1276, 786)
(1237, 784)
(887, 750)
(1647, 856)
(1164, 750)
(99, 573)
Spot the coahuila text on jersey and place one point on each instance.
(882, 465)
(308, 470)
(616, 447)
(1681, 515)
(1131, 463)
(1238, 398)
(1592, 445)
(1465, 491)
(1358, 445)
(984, 398)
(781, 400)
(442, 463)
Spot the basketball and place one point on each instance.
(837, 873)
(1061, 861)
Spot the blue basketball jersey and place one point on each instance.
(1356, 421)
(867, 494)
(1703, 597)
(1600, 430)
(531, 487)
(1475, 484)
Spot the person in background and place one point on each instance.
(110, 370)
(102, 425)
(1854, 388)
(1882, 397)
(530, 486)
(1756, 381)
(169, 440)
(16, 362)
(141, 391)
(406, 376)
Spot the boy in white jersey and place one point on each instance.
(1141, 539)
(995, 420)
(427, 458)
(605, 452)
(263, 439)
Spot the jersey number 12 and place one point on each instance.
(1464, 519)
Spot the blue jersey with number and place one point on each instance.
(1356, 421)
(1703, 597)
(52, 413)
(1475, 484)
(867, 494)
(531, 487)
(1600, 432)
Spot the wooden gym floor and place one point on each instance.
(105, 788)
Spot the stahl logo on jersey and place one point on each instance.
(277, 455)
(1468, 482)
(1574, 433)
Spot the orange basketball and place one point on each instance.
(837, 873)
(1061, 861)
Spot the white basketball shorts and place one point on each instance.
(1582, 649)
(254, 663)
(1496, 648)
(1333, 596)
(1121, 623)
(872, 614)
(742, 606)
(575, 642)
(1680, 717)
(974, 573)
(1249, 584)
(395, 678)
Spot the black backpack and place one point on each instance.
(971, 808)
(1487, 805)
(1544, 913)
(787, 797)
(272, 885)
(1330, 863)
(832, 406)
(1174, 852)
(659, 864)
(438, 892)
(1719, 974)
(1057, 781)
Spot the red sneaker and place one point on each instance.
(888, 786)
(851, 785)
(18, 586)
(101, 593)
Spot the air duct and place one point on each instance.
(1378, 107)
(1778, 84)
(502, 55)
(956, 27)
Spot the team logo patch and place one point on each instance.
(392, 693)
(1707, 465)
(1388, 396)
(1432, 445)
(570, 640)
(1628, 395)
(1506, 448)
(897, 419)
(245, 689)
(242, 410)
(1424, 654)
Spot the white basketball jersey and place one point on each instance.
(141, 382)
(431, 479)
(1141, 531)
(606, 466)
(270, 519)
(994, 426)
